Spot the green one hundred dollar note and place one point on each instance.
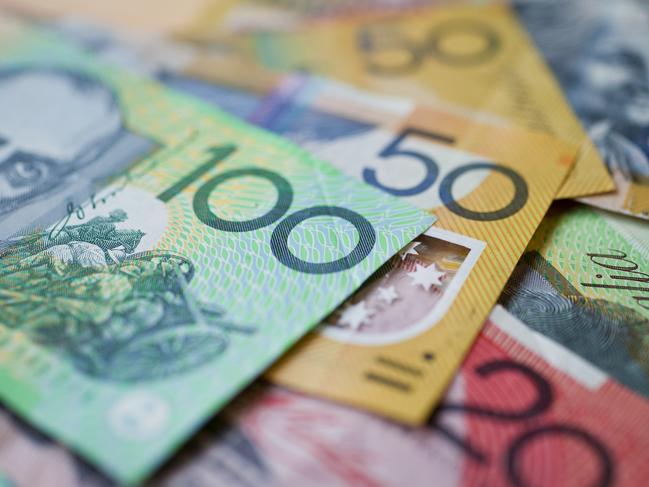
(132, 311)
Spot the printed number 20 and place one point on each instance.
(280, 235)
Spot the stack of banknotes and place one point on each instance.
(324, 243)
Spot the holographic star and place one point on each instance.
(409, 249)
(388, 294)
(426, 276)
(355, 315)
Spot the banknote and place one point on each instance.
(475, 57)
(598, 50)
(131, 316)
(216, 15)
(394, 346)
(274, 15)
(523, 411)
(584, 283)
(151, 16)
(218, 78)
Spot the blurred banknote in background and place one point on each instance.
(479, 58)
(168, 17)
(265, 15)
(132, 313)
(217, 78)
(598, 51)
(150, 16)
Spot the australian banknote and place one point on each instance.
(265, 15)
(395, 345)
(132, 312)
(149, 16)
(584, 283)
(523, 410)
(476, 57)
(214, 77)
(216, 15)
(598, 50)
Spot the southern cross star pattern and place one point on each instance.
(426, 276)
(388, 294)
(355, 315)
(410, 249)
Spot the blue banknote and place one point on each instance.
(599, 51)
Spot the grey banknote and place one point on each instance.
(599, 51)
(61, 135)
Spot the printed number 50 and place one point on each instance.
(280, 235)
(446, 185)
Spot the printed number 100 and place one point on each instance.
(280, 235)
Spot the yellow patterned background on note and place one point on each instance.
(479, 58)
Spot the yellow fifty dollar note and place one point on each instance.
(394, 346)
(478, 57)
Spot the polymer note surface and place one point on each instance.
(263, 15)
(395, 345)
(479, 58)
(134, 310)
(598, 50)
(584, 283)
